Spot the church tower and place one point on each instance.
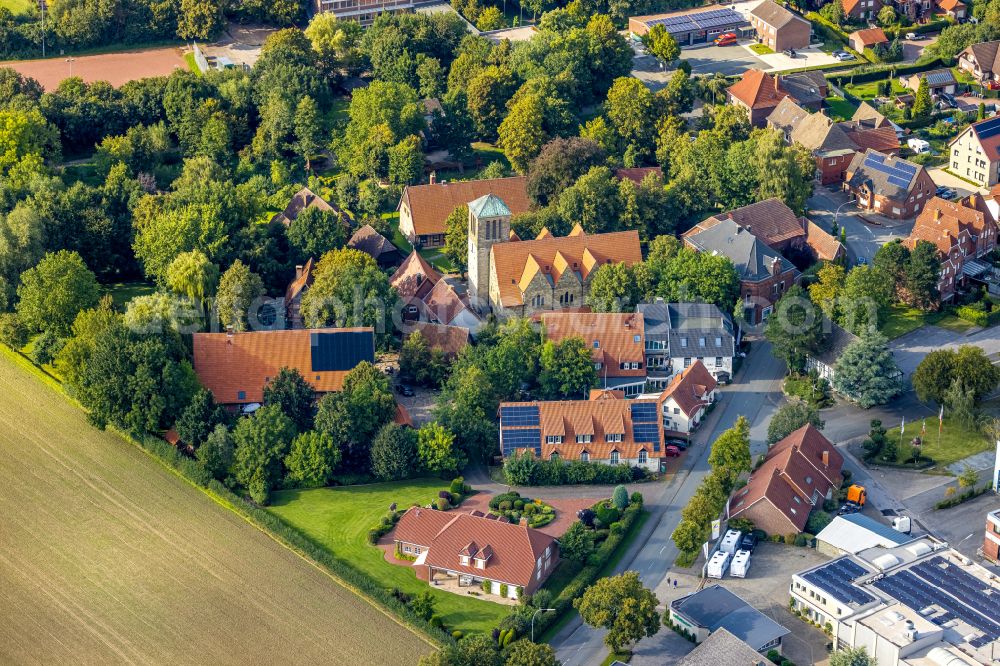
(489, 223)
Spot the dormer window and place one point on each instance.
(613, 437)
(585, 457)
(583, 439)
(553, 439)
(684, 342)
(614, 457)
(718, 341)
(480, 564)
(464, 559)
(701, 342)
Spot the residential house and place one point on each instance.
(759, 93)
(518, 277)
(714, 609)
(450, 340)
(975, 152)
(862, 10)
(375, 245)
(616, 341)
(991, 538)
(413, 281)
(955, 9)
(822, 245)
(456, 550)
(764, 274)
(721, 647)
(867, 38)
(938, 81)
(982, 61)
(637, 174)
(447, 303)
(294, 292)
(683, 404)
(832, 144)
(824, 363)
(888, 184)
(306, 198)
(424, 209)
(778, 27)
(606, 429)
(677, 334)
(799, 473)
(962, 234)
(236, 367)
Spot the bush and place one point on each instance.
(606, 513)
(530, 509)
(790, 538)
(444, 494)
(456, 499)
(817, 521)
(969, 494)
(487, 586)
(526, 470)
(503, 589)
(518, 504)
(636, 498)
(802, 539)
(973, 315)
(586, 516)
(443, 504)
(620, 498)
(505, 505)
(741, 524)
(504, 497)
(616, 529)
(457, 485)
(374, 536)
(457, 635)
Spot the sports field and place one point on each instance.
(115, 68)
(108, 557)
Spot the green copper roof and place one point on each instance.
(489, 205)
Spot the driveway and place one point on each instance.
(964, 188)
(728, 60)
(809, 57)
(755, 394)
(863, 239)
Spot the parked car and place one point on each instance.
(679, 443)
(403, 389)
(862, 261)
(912, 36)
(842, 55)
(725, 39)
(790, 53)
(948, 194)
(848, 508)
(672, 452)
(749, 541)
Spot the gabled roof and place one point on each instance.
(687, 388)
(950, 5)
(775, 15)
(723, 648)
(415, 277)
(758, 90)
(868, 113)
(304, 198)
(581, 254)
(840, 340)
(430, 205)
(770, 220)
(805, 87)
(511, 551)
(611, 337)
(715, 607)
(869, 36)
(935, 78)
(637, 174)
(826, 247)
(303, 279)
(371, 242)
(811, 443)
(882, 139)
(988, 134)
(752, 257)
(876, 170)
(986, 55)
(449, 339)
(229, 365)
(685, 325)
(444, 303)
(948, 223)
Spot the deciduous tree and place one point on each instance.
(394, 453)
(293, 395)
(567, 369)
(436, 450)
(621, 605)
(262, 442)
(730, 454)
(795, 328)
(52, 293)
(790, 418)
(238, 288)
(456, 237)
(312, 459)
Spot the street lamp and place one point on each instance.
(836, 214)
(70, 61)
(540, 610)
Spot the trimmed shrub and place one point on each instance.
(457, 635)
(456, 499)
(616, 529)
(607, 514)
(374, 536)
(443, 504)
(486, 585)
(530, 509)
(518, 504)
(457, 485)
(505, 505)
(620, 498)
(503, 589)
(636, 498)
(497, 500)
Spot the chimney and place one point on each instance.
(777, 83)
(523, 522)
(298, 271)
(826, 458)
(433, 177)
(229, 331)
(937, 214)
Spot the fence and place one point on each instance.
(199, 58)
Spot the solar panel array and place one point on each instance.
(645, 423)
(519, 416)
(835, 579)
(340, 351)
(989, 128)
(522, 438)
(899, 175)
(961, 596)
(715, 18)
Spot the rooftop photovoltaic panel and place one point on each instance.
(519, 416)
(645, 412)
(342, 350)
(989, 128)
(836, 579)
(529, 438)
(900, 174)
(699, 21)
(646, 433)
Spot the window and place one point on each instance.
(701, 342)
(613, 437)
(718, 361)
(583, 439)
(614, 457)
(677, 410)
(687, 362)
(241, 395)
(553, 439)
(585, 457)
(464, 560)
(684, 342)
(642, 457)
(718, 341)
(597, 344)
(598, 365)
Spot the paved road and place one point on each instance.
(863, 240)
(755, 394)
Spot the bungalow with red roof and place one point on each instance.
(799, 473)
(961, 233)
(460, 550)
(616, 342)
(235, 367)
(975, 153)
(867, 38)
(685, 400)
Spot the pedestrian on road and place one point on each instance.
(675, 583)
(668, 580)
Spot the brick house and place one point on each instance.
(991, 538)
(982, 61)
(867, 38)
(962, 234)
(799, 473)
(759, 93)
(294, 292)
(764, 274)
(467, 550)
(424, 209)
(888, 184)
(679, 333)
(606, 428)
(975, 153)
(778, 27)
(862, 10)
(236, 367)
(616, 341)
(684, 402)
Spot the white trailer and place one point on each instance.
(718, 565)
(740, 565)
(731, 541)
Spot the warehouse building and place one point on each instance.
(692, 27)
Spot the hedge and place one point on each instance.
(969, 494)
(930, 26)
(973, 315)
(880, 72)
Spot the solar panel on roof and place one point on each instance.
(899, 182)
(521, 439)
(644, 412)
(988, 129)
(906, 167)
(876, 157)
(646, 433)
(342, 350)
(519, 416)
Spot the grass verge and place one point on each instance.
(903, 319)
(954, 443)
(761, 49)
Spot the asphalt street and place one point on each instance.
(756, 393)
(863, 240)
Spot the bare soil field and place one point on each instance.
(115, 68)
(108, 557)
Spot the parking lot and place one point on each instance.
(810, 57)
(728, 60)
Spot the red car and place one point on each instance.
(672, 452)
(725, 39)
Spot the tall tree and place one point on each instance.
(526, 653)
(567, 369)
(315, 232)
(293, 395)
(521, 134)
(217, 451)
(312, 459)
(308, 130)
(55, 291)
(852, 656)
(621, 605)
(559, 164)
(193, 276)
(238, 289)
(920, 278)
(393, 453)
(867, 372)
(934, 375)
(349, 289)
(436, 450)
(661, 44)
(827, 289)
(199, 19)
(790, 418)
(262, 442)
(730, 456)
(922, 105)
(456, 237)
(976, 372)
(795, 328)
(614, 288)
(865, 300)
(199, 419)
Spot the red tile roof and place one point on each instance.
(688, 388)
(826, 247)
(610, 336)
(449, 339)
(414, 278)
(758, 90)
(511, 551)
(430, 205)
(869, 36)
(948, 223)
(882, 139)
(228, 364)
(637, 174)
(770, 220)
(303, 279)
(443, 303)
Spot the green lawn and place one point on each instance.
(956, 442)
(869, 89)
(761, 49)
(17, 6)
(339, 519)
(839, 108)
(903, 320)
(192, 63)
(123, 292)
(434, 256)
